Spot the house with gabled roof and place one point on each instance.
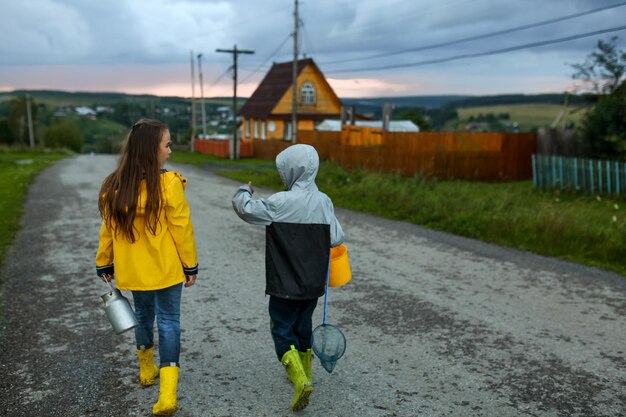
(267, 114)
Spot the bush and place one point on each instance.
(64, 134)
(604, 129)
(6, 134)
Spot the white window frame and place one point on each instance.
(263, 130)
(308, 94)
(247, 127)
(256, 129)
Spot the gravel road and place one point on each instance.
(436, 325)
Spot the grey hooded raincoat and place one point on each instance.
(301, 226)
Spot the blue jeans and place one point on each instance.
(291, 323)
(165, 304)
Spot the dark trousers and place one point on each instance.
(291, 324)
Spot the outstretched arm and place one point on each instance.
(257, 212)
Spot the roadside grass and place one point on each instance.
(581, 228)
(18, 168)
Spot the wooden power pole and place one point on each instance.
(193, 105)
(235, 53)
(294, 84)
(29, 116)
(202, 97)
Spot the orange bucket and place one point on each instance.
(340, 273)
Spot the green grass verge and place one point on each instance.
(17, 170)
(585, 229)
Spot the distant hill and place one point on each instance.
(505, 99)
(55, 97)
(371, 105)
(428, 102)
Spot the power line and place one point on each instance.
(307, 39)
(479, 54)
(376, 11)
(268, 58)
(218, 79)
(483, 36)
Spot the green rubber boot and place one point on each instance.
(148, 371)
(307, 361)
(295, 373)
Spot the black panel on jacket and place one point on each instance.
(296, 260)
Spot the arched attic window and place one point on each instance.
(308, 94)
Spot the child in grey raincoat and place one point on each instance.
(301, 227)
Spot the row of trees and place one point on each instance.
(61, 127)
(15, 126)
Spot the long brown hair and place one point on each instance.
(120, 190)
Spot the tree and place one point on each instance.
(64, 134)
(414, 114)
(6, 134)
(603, 71)
(438, 117)
(604, 127)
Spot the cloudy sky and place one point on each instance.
(366, 48)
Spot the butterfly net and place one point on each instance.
(328, 344)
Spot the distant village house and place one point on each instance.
(267, 114)
(85, 112)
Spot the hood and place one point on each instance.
(297, 166)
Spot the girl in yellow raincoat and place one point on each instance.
(147, 245)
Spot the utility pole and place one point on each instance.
(202, 96)
(294, 83)
(31, 133)
(193, 104)
(235, 53)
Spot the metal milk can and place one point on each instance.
(118, 311)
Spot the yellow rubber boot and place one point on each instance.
(295, 372)
(166, 406)
(148, 371)
(307, 361)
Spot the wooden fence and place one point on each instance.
(578, 174)
(561, 142)
(222, 148)
(445, 155)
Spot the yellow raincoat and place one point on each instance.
(158, 261)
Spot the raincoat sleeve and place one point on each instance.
(336, 232)
(179, 224)
(104, 256)
(257, 212)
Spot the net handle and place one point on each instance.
(326, 292)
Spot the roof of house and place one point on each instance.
(85, 111)
(273, 87)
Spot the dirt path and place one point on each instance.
(436, 325)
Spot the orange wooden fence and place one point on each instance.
(445, 155)
(221, 148)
